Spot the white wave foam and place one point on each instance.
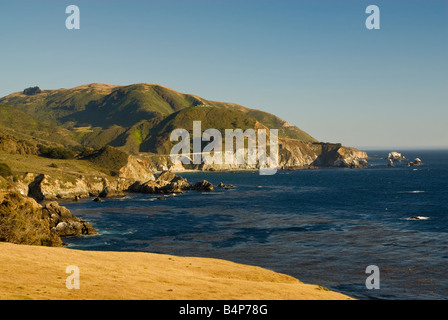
(417, 218)
(414, 191)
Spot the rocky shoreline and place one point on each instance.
(24, 221)
(33, 196)
(46, 223)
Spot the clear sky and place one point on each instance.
(313, 63)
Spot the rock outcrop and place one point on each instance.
(126, 170)
(203, 186)
(335, 155)
(395, 156)
(390, 163)
(416, 162)
(293, 154)
(24, 221)
(167, 182)
(45, 187)
(63, 222)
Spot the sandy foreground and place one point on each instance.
(31, 272)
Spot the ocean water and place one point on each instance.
(321, 226)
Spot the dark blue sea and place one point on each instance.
(321, 226)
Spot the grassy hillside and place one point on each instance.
(25, 127)
(157, 140)
(136, 118)
(39, 273)
(110, 159)
(101, 104)
(52, 105)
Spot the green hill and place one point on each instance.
(27, 128)
(137, 118)
(52, 105)
(157, 140)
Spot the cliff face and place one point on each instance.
(293, 154)
(46, 187)
(67, 181)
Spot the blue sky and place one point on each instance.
(313, 62)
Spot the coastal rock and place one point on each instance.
(293, 154)
(165, 176)
(227, 187)
(351, 163)
(24, 221)
(45, 187)
(109, 192)
(395, 156)
(203, 185)
(167, 182)
(49, 188)
(416, 162)
(136, 169)
(64, 222)
(296, 154)
(148, 187)
(390, 163)
(177, 167)
(336, 155)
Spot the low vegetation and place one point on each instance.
(109, 158)
(56, 152)
(5, 170)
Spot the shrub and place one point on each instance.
(109, 158)
(32, 91)
(56, 152)
(5, 170)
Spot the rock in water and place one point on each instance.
(24, 221)
(167, 183)
(395, 156)
(391, 163)
(64, 222)
(416, 162)
(203, 185)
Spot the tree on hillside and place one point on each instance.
(32, 91)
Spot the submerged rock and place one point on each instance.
(227, 187)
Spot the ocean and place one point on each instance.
(323, 226)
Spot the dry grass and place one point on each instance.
(30, 272)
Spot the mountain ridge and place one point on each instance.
(101, 105)
(139, 118)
